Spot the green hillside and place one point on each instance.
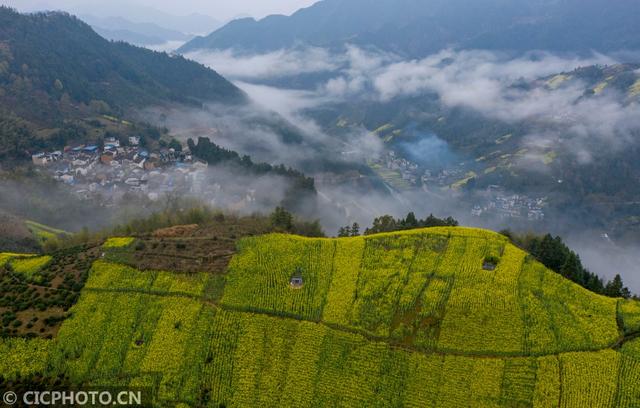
(61, 83)
(444, 317)
(53, 66)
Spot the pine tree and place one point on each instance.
(571, 269)
(411, 221)
(616, 288)
(281, 219)
(355, 229)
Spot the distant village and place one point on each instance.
(112, 170)
(498, 202)
(412, 173)
(510, 206)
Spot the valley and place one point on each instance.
(354, 203)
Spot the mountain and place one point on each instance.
(136, 12)
(121, 29)
(52, 64)
(193, 24)
(415, 28)
(434, 317)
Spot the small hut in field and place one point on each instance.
(296, 281)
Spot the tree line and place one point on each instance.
(387, 223)
(300, 187)
(553, 253)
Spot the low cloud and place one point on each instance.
(490, 83)
(277, 64)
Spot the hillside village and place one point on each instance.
(111, 171)
(399, 171)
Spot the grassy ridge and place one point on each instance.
(407, 319)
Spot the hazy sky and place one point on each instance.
(220, 9)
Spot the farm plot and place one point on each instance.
(260, 276)
(22, 357)
(561, 316)
(114, 334)
(118, 242)
(177, 254)
(112, 276)
(385, 270)
(342, 291)
(170, 342)
(632, 348)
(199, 356)
(629, 387)
(630, 313)
(216, 380)
(30, 267)
(580, 387)
(7, 256)
(118, 277)
(432, 302)
(484, 304)
(547, 388)
(37, 291)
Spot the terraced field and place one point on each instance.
(412, 319)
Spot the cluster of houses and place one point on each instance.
(514, 206)
(498, 202)
(113, 168)
(408, 171)
(444, 178)
(415, 175)
(110, 171)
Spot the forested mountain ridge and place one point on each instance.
(415, 28)
(53, 64)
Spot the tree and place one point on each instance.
(593, 282)
(355, 229)
(550, 252)
(281, 219)
(572, 269)
(451, 222)
(616, 288)
(386, 223)
(411, 221)
(308, 229)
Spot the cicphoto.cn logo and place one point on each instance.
(77, 398)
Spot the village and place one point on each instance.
(110, 171)
(412, 174)
(510, 206)
(496, 201)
